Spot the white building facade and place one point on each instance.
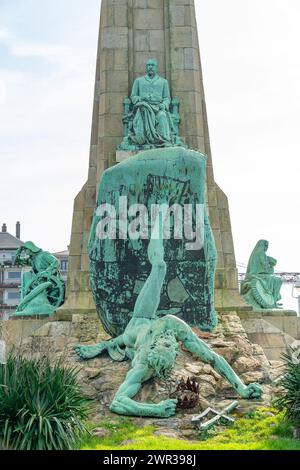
(10, 275)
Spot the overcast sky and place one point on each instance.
(251, 65)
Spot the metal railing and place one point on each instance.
(287, 278)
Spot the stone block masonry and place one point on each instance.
(131, 32)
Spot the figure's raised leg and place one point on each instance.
(149, 298)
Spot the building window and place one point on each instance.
(7, 255)
(14, 274)
(13, 296)
(64, 265)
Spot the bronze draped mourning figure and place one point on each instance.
(261, 288)
(42, 289)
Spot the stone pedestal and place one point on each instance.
(274, 330)
(130, 34)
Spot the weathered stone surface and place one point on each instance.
(245, 364)
(115, 38)
(191, 59)
(177, 15)
(207, 369)
(127, 442)
(222, 387)
(92, 372)
(141, 41)
(100, 432)
(43, 331)
(203, 404)
(166, 433)
(59, 344)
(148, 19)
(250, 377)
(121, 59)
(59, 329)
(156, 39)
(188, 433)
(189, 17)
(194, 369)
(169, 423)
(140, 3)
(272, 330)
(120, 15)
(154, 3)
(207, 379)
(207, 390)
(229, 352)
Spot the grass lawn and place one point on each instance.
(262, 430)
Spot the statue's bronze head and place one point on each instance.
(263, 244)
(162, 354)
(152, 67)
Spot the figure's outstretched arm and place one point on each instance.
(123, 403)
(112, 346)
(198, 347)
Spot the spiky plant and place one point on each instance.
(289, 399)
(41, 405)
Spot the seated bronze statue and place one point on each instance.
(151, 117)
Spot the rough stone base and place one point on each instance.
(14, 331)
(66, 314)
(57, 339)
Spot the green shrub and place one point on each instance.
(289, 399)
(41, 405)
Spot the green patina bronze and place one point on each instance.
(120, 266)
(151, 343)
(42, 289)
(151, 118)
(261, 288)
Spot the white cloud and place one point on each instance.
(52, 105)
(4, 34)
(19, 47)
(48, 51)
(2, 92)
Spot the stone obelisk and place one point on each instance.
(132, 32)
